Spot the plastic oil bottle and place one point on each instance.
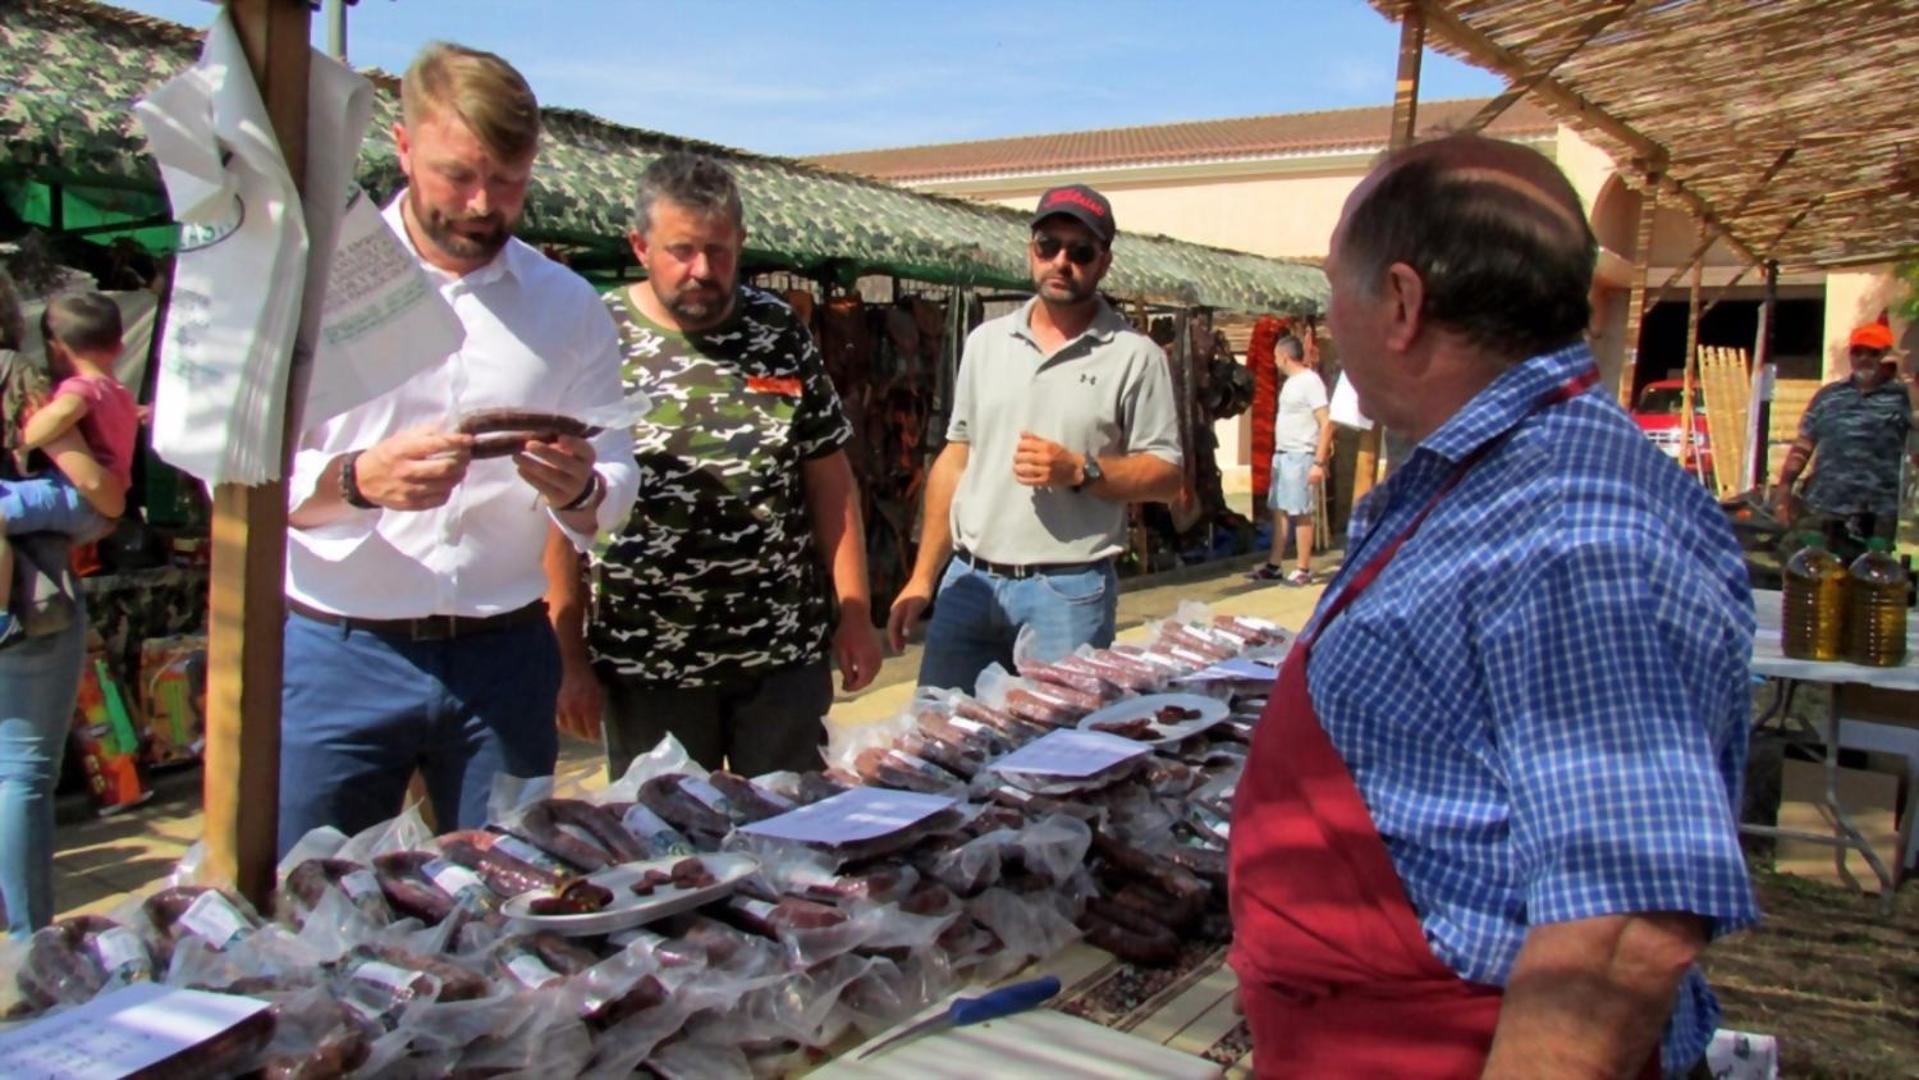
(1814, 610)
(1876, 616)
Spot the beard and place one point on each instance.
(465, 238)
(699, 305)
(1066, 290)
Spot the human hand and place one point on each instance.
(1316, 475)
(577, 711)
(1042, 463)
(1782, 505)
(856, 648)
(559, 470)
(415, 469)
(907, 608)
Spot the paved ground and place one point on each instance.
(100, 863)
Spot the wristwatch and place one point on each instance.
(350, 492)
(1090, 473)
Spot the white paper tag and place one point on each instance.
(452, 877)
(381, 973)
(653, 829)
(759, 909)
(214, 919)
(523, 851)
(121, 952)
(706, 793)
(360, 885)
(971, 727)
(531, 972)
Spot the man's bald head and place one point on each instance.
(1494, 231)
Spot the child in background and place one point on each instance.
(83, 334)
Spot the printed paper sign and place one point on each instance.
(121, 1033)
(1071, 754)
(1239, 668)
(851, 817)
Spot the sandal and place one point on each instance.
(1267, 572)
(1299, 578)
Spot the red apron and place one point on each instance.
(1335, 974)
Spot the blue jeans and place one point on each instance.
(49, 504)
(361, 711)
(978, 615)
(39, 679)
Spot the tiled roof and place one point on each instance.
(1250, 136)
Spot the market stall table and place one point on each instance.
(1769, 661)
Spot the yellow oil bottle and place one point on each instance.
(1876, 607)
(1814, 622)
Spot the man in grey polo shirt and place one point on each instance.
(1063, 414)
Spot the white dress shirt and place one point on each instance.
(537, 337)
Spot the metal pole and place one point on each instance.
(1758, 464)
(336, 29)
(1688, 426)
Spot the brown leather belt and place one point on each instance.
(1021, 572)
(427, 628)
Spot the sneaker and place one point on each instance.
(1299, 577)
(1267, 572)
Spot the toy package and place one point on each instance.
(109, 747)
(173, 695)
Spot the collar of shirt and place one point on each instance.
(1501, 406)
(1490, 414)
(504, 264)
(1106, 322)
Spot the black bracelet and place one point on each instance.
(586, 494)
(350, 492)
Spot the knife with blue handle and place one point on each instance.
(1005, 1001)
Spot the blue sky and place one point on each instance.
(802, 78)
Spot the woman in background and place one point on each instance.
(39, 675)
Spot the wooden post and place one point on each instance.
(1636, 301)
(1688, 426)
(1412, 43)
(247, 606)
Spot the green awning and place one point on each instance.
(75, 68)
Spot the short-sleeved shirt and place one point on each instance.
(1294, 429)
(111, 425)
(1861, 442)
(716, 572)
(1107, 392)
(1545, 698)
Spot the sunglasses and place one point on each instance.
(1079, 253)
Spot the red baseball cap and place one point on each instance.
(1082, 204)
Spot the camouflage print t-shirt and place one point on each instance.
(716, 572)
(1860, 441)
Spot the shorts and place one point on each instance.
(49, 504)
(1289, 493)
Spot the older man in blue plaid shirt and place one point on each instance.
(1532, 671)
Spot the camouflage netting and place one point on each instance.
(73, 69)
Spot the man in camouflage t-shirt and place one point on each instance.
(744, 559)
(1859, 428)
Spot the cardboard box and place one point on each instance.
(1870, 799)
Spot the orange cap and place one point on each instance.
(1871, 336)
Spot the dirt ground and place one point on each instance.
(1836, 983)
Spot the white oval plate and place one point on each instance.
(1211, 711)
(629, 909)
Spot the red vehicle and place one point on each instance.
(1661, 415)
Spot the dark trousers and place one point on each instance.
(754, 723)
(361, 711)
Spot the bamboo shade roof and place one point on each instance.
(1787, 125)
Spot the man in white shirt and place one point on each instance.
(1302, 447)
(416, 634)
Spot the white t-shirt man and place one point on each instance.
(1295, 431)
